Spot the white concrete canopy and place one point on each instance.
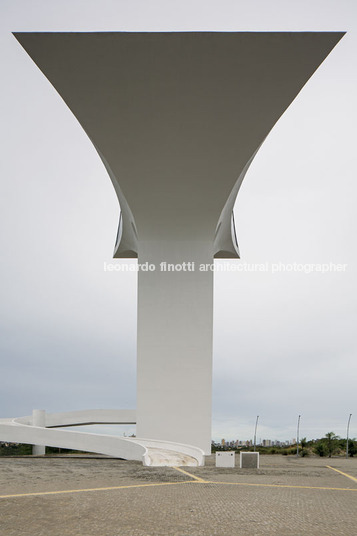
(177, 118)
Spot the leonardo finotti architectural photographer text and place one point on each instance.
(274, 268)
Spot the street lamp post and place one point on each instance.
(348, 430)
(297, 436)
(255, 432)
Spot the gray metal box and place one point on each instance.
(249, 460)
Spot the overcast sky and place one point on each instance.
(284, 343)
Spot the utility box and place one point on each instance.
(225, 459)
(249, 460)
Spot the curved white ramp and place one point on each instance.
(149, 452)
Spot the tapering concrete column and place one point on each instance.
(39, 419)
(175, 325)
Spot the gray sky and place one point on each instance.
(284, 343)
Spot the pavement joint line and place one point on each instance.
(279, 486)
(342, 473)
(197, 478)
(34, 493)
(200, 481)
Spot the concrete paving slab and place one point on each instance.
(119, 498)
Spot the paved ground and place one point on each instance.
(286, 496)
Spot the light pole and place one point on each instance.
(348, 430)
(255, 432)
(297, 436)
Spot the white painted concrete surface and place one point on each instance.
(225, 459)
(149, 452)
(39, 419)
(176, 119)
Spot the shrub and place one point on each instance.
(320, 448)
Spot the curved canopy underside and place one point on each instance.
(178, 117)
